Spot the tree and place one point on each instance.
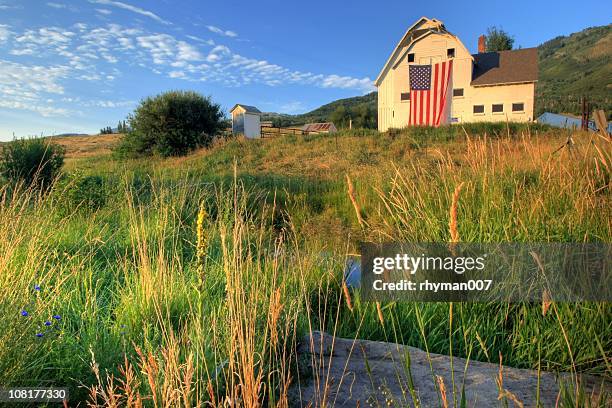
(340, 117)
(365, 116)
(122, 127)
(171, 124)
(498, 40)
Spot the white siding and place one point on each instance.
(245, 123)
(252, 125)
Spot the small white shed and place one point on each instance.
(246, 121)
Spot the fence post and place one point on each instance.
(585, 114)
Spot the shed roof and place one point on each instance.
(503, 67)
(247, 108)
(319, 127)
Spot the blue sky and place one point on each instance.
(76, 66)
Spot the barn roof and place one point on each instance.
(319, 127)
(247, 108)
(420, 29)
(505, 67)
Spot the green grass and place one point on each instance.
(125, 278)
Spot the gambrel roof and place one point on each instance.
(417, 31)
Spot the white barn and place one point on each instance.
(487, 86)
(246, 121)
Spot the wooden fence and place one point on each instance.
(267, 131)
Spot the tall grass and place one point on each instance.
(194, 281)
(511, 190)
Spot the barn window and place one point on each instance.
(458, 92)
(479, 109)
(450, 53)
(405, 96)
(497, 108)
(411, 57)
(518, 107)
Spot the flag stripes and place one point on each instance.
(429, 88)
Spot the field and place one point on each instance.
(181, 281)
(86, 146)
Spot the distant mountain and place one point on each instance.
(70, 134)
(355, 107)
(576, 65)
(570, 67)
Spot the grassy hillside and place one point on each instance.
(324, 113)
(191, 279)
(86, 145)
(573, 66)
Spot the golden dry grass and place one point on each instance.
(87, 146)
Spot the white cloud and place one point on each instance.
(217, 30)
(57, 5)
(10, 7)
(62, 6)
(110, 58)
(165, 49)
(106, 12)
(36, 78)
(345, 82)
(99, 103)
(43, 110)
(131, 8)
(22, 51)
(5, 33)
(109, 104)
(176, 74)
(187, 52)
(201, 40)
(217, 53)
(24, 87)
(92, 53)
(47, 36)
(89, 77)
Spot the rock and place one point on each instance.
(350, 373)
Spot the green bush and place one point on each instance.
(34, 162)
(77, 191)
(172, 124)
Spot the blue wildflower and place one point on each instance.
(39, 334)
(57, 317)
(24, 313)
(36, 287)
(47, 323)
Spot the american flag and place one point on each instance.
(429, 105)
